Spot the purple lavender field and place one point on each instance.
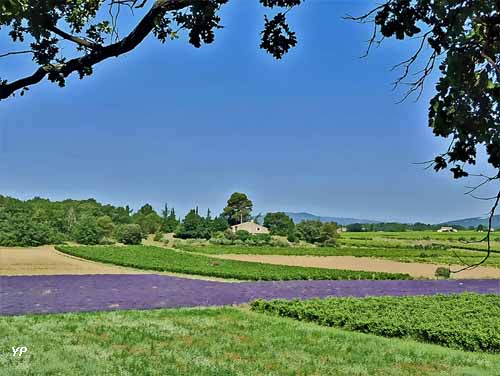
(76, 293)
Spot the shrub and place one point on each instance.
(229, 234)
(262, 238)
(218, 235)
(292, 237)
(330, 243)
(158, 236)
(129, 234)
(465, 321)
(329, 234)
(310, 231)
(242, 235)
(86, 231)
(106, 241)
(105, 226)
(277, 242)
(442, 272)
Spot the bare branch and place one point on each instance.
(16, 53)
(80, 41)
(487, 238)
(367, 16)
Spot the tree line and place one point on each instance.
(40, 221)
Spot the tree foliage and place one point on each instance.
(71, 37)
(105, 226)
(279, 223)
(328, 234)
(148, 219)
(316, 232)
(238, 209)
(310, 231)
(86, 231)
(129, 234)
(462, 40)
(194, 226)
(170, 220)
(40, 221)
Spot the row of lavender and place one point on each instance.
(72, 293)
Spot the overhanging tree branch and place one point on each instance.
(80, 64)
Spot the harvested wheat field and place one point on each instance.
(364, 263)
(47, 261)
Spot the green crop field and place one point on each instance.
(414, 246)
(467, 321)
(168, 260)
(221, 341)
(211, 249)
(420, 235)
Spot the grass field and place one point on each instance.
(434, 256)
(224, 341)
(421, 240)
(161, 259)
(468, 235)
(466, 321)
(415, 246)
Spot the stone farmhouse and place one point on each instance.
(251, 227)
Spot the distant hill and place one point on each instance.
(466, 222)
(476, 221)
(299, 217)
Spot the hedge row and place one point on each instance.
(465, 321)
(161, 259)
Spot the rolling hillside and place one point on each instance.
(476, 221)
(299, 217)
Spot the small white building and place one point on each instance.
(447, 229)
(251, 227)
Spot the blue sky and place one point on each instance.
(319, 131)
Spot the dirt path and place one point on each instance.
(46, 260)
(363, 263)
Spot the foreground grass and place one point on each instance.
(224, 341)
(160, 259)
(466, 321)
